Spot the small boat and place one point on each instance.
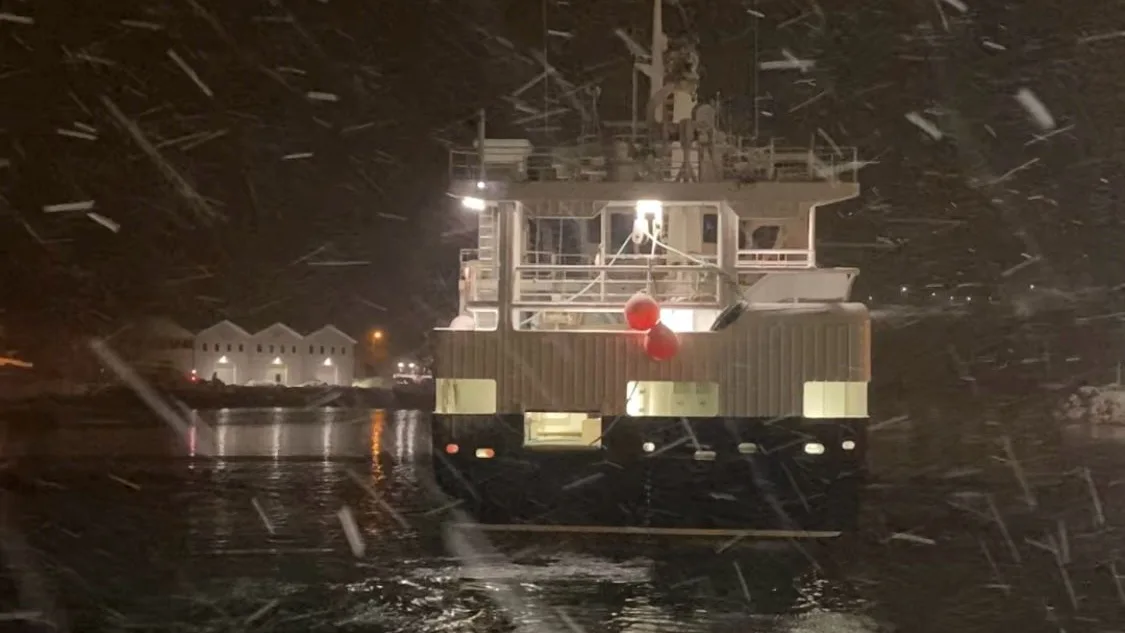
(413, 386)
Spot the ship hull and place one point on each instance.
(659, 474)
(414, 396)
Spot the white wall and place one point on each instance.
(327, 345)
(275, 356)
(219, 343)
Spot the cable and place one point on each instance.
(724, 275)
(588, 286)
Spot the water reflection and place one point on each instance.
(378, 421)
(323, 434)
(1096, 432)
(262, 514)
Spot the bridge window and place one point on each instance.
(765, 237)
(710, 228)
(620, 228)
(594, 230)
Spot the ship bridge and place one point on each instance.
(567, 234)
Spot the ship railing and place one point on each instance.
(578, 278)
(471, 256)
(614, 284)
(792, 164)
(741, 162)
(775, 258)
(620, 259)
(595, 290)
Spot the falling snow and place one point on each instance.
(190, 159)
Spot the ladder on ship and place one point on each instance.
(486, 235)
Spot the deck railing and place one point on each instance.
(742, 162)
(775, 258)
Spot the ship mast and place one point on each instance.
(654, 70)
(659, 47)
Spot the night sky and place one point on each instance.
(313, 131)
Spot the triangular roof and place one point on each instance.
(335, 331)
(160, 326)
(224, 324)
(283, 327)
(164, 325)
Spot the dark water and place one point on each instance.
(111, 527)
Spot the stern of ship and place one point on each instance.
(658, 473)
(759, 426)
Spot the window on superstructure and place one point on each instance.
(620, 228)
(710, 228)
(559, 241)
(765, 237)
(594, 229)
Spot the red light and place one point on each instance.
(452, 449)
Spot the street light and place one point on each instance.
(377, 335)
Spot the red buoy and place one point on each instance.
(642, 312)
(661, 343)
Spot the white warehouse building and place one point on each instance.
(277, 354)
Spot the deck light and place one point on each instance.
(473, 204)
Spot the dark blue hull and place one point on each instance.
(725, 474)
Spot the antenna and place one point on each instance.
(546, 64)
(482, 176)
(659, 45)
(755, 71)
(633, 73)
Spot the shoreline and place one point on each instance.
(122, 400)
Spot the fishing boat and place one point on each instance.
(646, 341)
(412, 384)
